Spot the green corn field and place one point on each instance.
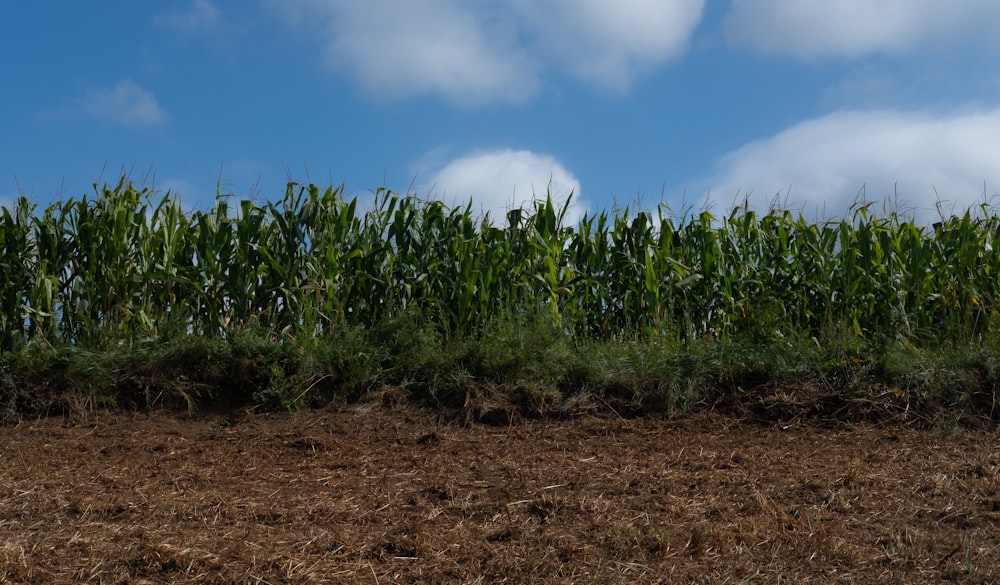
(125, 266)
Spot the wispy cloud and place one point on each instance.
(179, 188)
(821, 165)
(864, 87)
(201, 18)
(124, 104)
(853, 28)
(500, 180)
(475, 53)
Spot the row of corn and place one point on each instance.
(126, 264)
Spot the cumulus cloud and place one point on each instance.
(398, 47)
(497, 50)
(124, 104)
(853, 28)
(202, 17)
(821, 165)
(501, 180)
(609, 43)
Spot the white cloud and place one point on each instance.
(397, 47)
(125, 104)
(203, 17)
(852, 28)
(500, 180)
(609, 43)
(496, 50)
(827, 161)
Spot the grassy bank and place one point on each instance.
(123, 299)
(527, 370)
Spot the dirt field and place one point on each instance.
(391, 496)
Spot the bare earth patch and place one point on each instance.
(392, 496)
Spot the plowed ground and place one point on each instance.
(394, 496)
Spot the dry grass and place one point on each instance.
(390, 496)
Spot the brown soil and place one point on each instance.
(391, 496)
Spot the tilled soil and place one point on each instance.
(394, 496)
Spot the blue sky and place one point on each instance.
(693, 103)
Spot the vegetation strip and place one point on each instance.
(124, 298)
